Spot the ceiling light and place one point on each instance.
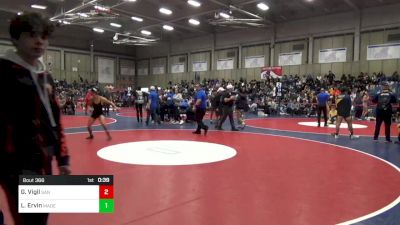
(226, 16)
(65, 22)
(165, 11)
(194, 22)
(137, 19)
(115, 25)
(145, 32)
(115, 38)
(167, 27)
(263, 6)
(309, 0)
(19, 13)
(83, 15)
(102, 8)
(38, 6)
(98, 30)
(130, 0)
(194, 3)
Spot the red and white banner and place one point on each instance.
(273, 72)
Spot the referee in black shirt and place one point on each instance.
(227, 99)
(384, 101)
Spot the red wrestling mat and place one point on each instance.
(130, 114)
(292, 124)
(272, 180)
(81, 121)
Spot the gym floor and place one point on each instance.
(277, 171)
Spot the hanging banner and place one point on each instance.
(384, 51)
(105, 70)
(290, 59)
(178, 68)
(273, 72)
(332, 55)
(199, 66)
(225, 64)
(158, 69)
(143, 71)
(254, 61)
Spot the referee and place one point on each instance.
(322, 100)
(384, 101)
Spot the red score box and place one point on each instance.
(106, 192)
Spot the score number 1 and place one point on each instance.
(106, 199)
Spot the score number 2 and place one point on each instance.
(106, 192)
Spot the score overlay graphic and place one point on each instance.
(66, 194)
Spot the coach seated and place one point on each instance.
(69, 107)
(190, 116)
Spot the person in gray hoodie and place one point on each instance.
(31, 134)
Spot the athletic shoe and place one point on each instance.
(205, 131)
(181, 122)
(234, 129)
(336, 136)
(196, 132)
(388, 141)
(352, 136)
(109, 138)
(325, 125)
(90, 137)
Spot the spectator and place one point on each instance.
(31, 133)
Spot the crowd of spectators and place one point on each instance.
(288, 95)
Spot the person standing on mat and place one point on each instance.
(242, 106)
(200, 104)
(88, 97)
(139, 101)
(384, 101)
(343, 105)
(218, 105)
(322, 106)
(227, 100)
(97, 103)
(31, 134)
(365, 100)
(153, 106)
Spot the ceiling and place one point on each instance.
(244, 13)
